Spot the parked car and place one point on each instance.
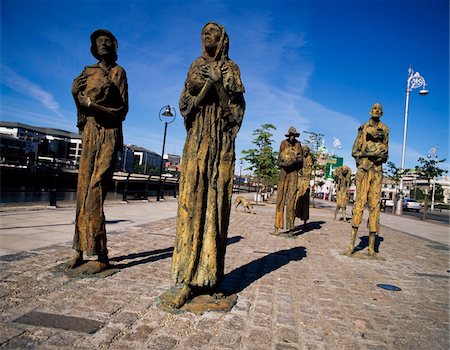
(410, 204)
(388, 202)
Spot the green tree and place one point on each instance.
(314, 141)
(395, 174)
(262, 158)
(429, 170)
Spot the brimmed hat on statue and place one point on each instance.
(95, 35)
(292, 131)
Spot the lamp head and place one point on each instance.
(167, 112)
(423, 92)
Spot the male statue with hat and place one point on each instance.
(101, 97)
(290, 160)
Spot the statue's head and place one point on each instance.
(215, 41)
(305, 149)
(104, 44)
(376, 111)
(292, 133)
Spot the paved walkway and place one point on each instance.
(293, 293)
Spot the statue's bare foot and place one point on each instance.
(93, 267)
(275, 232)
(182, 297)
(76, 260)
(350, 251)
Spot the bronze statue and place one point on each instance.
(370, 151)
(343, 179)
(303, 191)
(212, 104)
(290, 160)
(101, 97)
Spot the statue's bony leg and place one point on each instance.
(184, 295)
(344, 217)
(351, 247)
(372, 236)
(335, 212)
(76, 260)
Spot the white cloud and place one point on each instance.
(26, 87)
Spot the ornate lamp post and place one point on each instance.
(168, 117)
(415, 80)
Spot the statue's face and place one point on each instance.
(211, 36)
(376, 111)
(105, 46)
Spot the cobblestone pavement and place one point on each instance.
(293, 293)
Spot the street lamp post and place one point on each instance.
(240, 176)
(169, 117)
(433, 151)
(414, 81)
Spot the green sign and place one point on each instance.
(332, 163)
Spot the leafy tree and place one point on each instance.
(314, 141)
(428, 170)
(395, 174)
(262, 158)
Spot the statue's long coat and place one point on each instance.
(207, 173)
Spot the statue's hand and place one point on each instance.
(211, 71)
(79, 84)
(83, 99)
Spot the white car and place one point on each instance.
(410, 204)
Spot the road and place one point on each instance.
(432, 215)
(436, 215)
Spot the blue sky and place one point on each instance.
(316, 65)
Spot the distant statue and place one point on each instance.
(370, 151)
(343, 180)
(303, 183)
(290, 160)
(212, 104)
(101, 97)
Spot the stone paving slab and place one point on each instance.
(293, 293)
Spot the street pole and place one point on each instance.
(169, 119)
(159, 194)
(414, 81)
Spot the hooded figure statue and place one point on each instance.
(212, 105)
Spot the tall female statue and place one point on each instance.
(101, 97)
(212, 105)
(303, 192)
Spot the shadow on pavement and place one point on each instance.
(152, 255)
(110, 222)
(364, 243)
(310, 226)
(239, 279)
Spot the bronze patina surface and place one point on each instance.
(212, 105)
(303, 191)
(370, 151)
(343, 179)
(290, 160)
(101, 97)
